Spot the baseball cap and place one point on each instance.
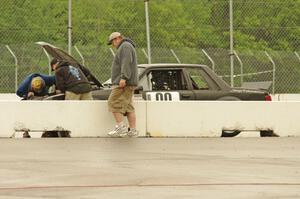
(37, 84)
(112, 36)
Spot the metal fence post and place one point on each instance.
(174, 54)
(274, 70)
(112, 52)
(79, 53)
(145, 53)
(148, 31)
(242, 66)
(70, 28)
(210, 59)
(49, 61)
(231, 43)
(297, 55)
(16, 67)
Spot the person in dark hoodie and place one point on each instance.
(124, 78)
(71, 81)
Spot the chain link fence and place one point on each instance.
(181, 31)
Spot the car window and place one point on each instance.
(197, 78)
(165, 80)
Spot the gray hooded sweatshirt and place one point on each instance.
(124, 65)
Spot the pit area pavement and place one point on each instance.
(136, 168)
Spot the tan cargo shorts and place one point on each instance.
(120, 100)
(81, 96)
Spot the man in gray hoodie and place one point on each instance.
(124, 78)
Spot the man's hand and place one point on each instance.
(58, 91)
(122, 83)
(30, 94)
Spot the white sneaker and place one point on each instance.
(119, 131)
(132, 133)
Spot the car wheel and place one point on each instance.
(226, 133)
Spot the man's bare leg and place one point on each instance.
(131, 119)
(118, 118)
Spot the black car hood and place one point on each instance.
(63, 56)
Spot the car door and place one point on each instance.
(166, 84)
(203, 86)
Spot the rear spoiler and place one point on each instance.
(263, 85)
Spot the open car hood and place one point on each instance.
(63, 56)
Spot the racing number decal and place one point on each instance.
(163, 96)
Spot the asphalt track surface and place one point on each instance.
(144, 168)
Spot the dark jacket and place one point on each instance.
(124, 65)
(25, 86)
(71, 78)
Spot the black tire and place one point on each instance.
(26, 135)
(268, 133)
(56, 134)
(226, 133)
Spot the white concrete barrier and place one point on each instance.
(183, 118)
(209, 118)
(82, 118)
(9, 96)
